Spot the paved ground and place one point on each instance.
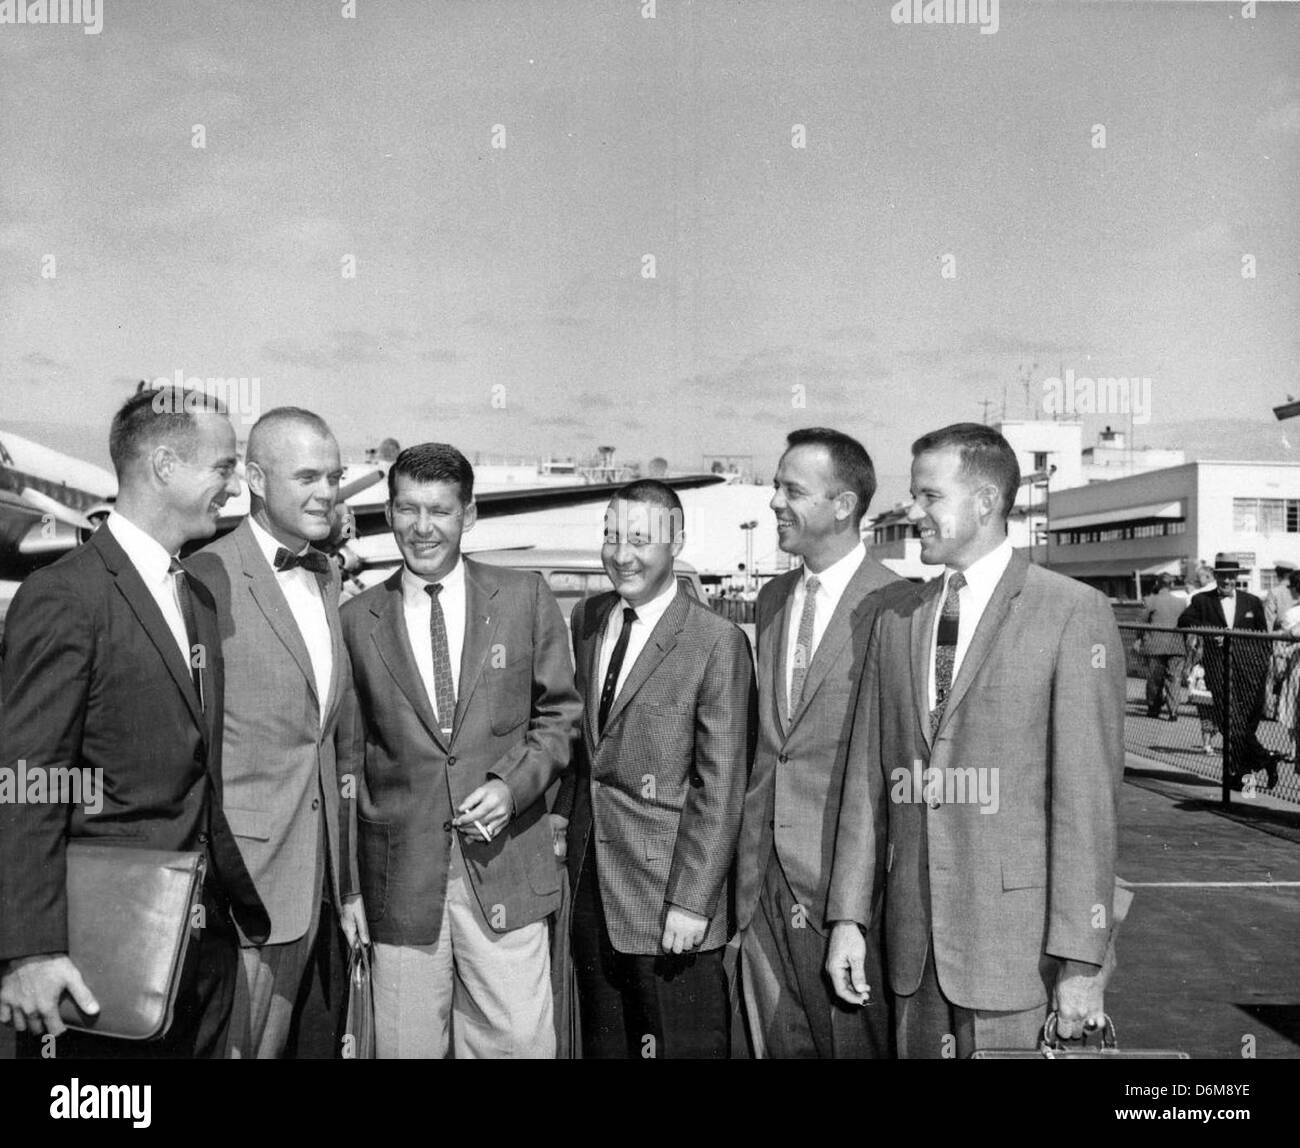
(1208, 954)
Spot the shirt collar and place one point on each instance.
(835, 578)
(266, 542)
(651, 611)
(413, 585)
(983, 574)
(146, 553)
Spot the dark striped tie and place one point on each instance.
(180, 579)
(610, 688)
(444, 685)
(945, 648)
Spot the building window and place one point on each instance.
(1266, 516)
(1040, 460)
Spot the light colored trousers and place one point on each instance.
(484, 995)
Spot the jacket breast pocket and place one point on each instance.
(510, 691)
(250, 823)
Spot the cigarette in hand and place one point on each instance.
(483, 830)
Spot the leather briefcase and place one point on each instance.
(130, 918)
(1051, 1047)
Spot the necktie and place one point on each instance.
(803, 646)
(444, 687)
(945, 648)
(180, 580)
(615, 668)
(312, 560)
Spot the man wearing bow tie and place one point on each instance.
(287, 673)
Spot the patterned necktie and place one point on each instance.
(803, 646)
(180, 580)
(615, 668)
(444, 685)
(945, 648)
(312, 560)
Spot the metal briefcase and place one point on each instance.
(1050, 1047)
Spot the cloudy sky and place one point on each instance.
(500, 299)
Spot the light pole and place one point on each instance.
(748, 528)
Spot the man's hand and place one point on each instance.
(1078, 1000)
(353, 921)
(30, 990)
(683, 930)
(560, 835)
(489, 805)
(846, 963)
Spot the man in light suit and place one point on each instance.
(286, 674)
(990, 725)
(654, 805)
(812, 630)
(112, 664)
(1164, 651)
(467, 713)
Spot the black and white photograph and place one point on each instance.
(650, 530)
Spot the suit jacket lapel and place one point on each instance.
(662, 639)
(866, 578)
(394, 646)
(922, 628)
(986, 633)
(595, 614)
(480, 625)
(270, 599)
(329, 588)
(150, 617)
(781, 695)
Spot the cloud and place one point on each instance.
(43, 362)
(343, 348)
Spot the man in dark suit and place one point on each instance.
(467, 711)
(112, 663)
(813, 625)
(655, 803)
(1163, 651)
(1227, 608)
(287, 672)
(981, 786)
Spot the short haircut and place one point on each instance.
(153, 418)
(278, 417)
(850, 463)
(1293, 581)
(433, 462)
(658, 494)
(985, 455)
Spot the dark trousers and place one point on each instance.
(793, 1011)
(666, 1007)
(201, 1016)
(1164, 672)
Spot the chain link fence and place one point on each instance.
(1219, 703)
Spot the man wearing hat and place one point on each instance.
(1227, 608)
(1278, 601)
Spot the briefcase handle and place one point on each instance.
(1049, 1041)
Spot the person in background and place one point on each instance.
(1164, 651)
(1277, 602)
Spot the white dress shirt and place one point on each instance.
(647, 618)
(302, 591)
(416, 606)
(832, 582)
(1229, 607)
(982, 578)
(153, 564)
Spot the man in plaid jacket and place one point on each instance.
(654, 805)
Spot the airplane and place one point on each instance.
(51, 502)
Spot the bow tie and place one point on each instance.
(312, 560)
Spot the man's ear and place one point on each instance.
(163, 463)
(846, 503)
(388, 513)
(255, 476)
(470, 516)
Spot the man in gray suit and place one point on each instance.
(1164, 651)
(813, 625)
(981, 786)
(287, 673)
(655, 807)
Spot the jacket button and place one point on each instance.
(315, 802)
(447, 826)
(451, 760)
(200, 755)
(203, 839)
(783, 759)
(934, 801)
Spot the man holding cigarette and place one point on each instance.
(464, 712)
